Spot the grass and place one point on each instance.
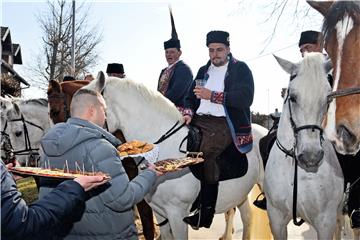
(27, 187)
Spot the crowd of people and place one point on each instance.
(92, 207)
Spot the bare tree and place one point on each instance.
(54, 61)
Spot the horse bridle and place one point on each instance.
(6, 147)
(32, 152)
(343, 93)
(291, 153)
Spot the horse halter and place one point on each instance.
(6, 147)
(296, 130)
(343, 93)
(32, 152)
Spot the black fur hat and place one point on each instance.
(174, 42)
(115, 68)
(309, 37)
(218, 37)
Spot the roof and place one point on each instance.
(14, 74)
(16, 51)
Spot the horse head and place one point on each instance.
(341, 29)
(304, 109)
(59, 96)
(139, 112)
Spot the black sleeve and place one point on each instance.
(242, 96)
(18, 220)
(180, 82)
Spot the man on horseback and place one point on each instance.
(221, 109)
(176, 78)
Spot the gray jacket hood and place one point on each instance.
(65, 136)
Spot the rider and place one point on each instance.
(221, 109)
(176, 78)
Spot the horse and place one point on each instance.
(25, 122)
(60, 96)
(314, 191)
(145, 114)
(341, 29)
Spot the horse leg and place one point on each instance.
(229, 228)
(278, 222)
(145, 212)
(165, 229)
(179, 229)
(246, 217)
(147, 220)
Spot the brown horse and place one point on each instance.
(59, 97)
(342, 42)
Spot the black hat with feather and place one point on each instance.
(174, 42)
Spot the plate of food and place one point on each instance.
(171, 165)
(138, 148)
(54, 173)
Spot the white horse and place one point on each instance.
(144, 114)
(319, 176)
(25, 121)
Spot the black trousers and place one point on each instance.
(351, 170)
(216, 137)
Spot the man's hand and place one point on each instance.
(202, 93)
(152, 167)
(14, 164)
(187, 119)
(90, 182)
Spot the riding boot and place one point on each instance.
(204, 216)
(260, 203)
(355, 218)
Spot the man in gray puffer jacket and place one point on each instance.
(81, 143)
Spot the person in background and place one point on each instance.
(89, 77)
(109, 214)
(115, 70)
(65, 203)
(176, 78)
(68, 78)
(221, 109)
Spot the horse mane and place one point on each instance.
(37, 101)
(148, 96)
(313, 66)
(337, 11)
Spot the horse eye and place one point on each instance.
(18, 133)
(292, 77)
(292, 98)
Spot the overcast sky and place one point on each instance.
(134, 32)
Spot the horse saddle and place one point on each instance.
(231, 163)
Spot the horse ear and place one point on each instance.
(54, 86)
(100, 82)
(288, 66)
(322, 7)
(14, 111)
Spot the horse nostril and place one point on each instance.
(18, 133)
(346, 135)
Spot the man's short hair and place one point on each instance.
(82, 99)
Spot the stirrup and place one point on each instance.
(188, 220)
(355, 219)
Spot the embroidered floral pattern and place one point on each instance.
(217, 97)
(187, 111)
(243, 140)
(165, 79)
